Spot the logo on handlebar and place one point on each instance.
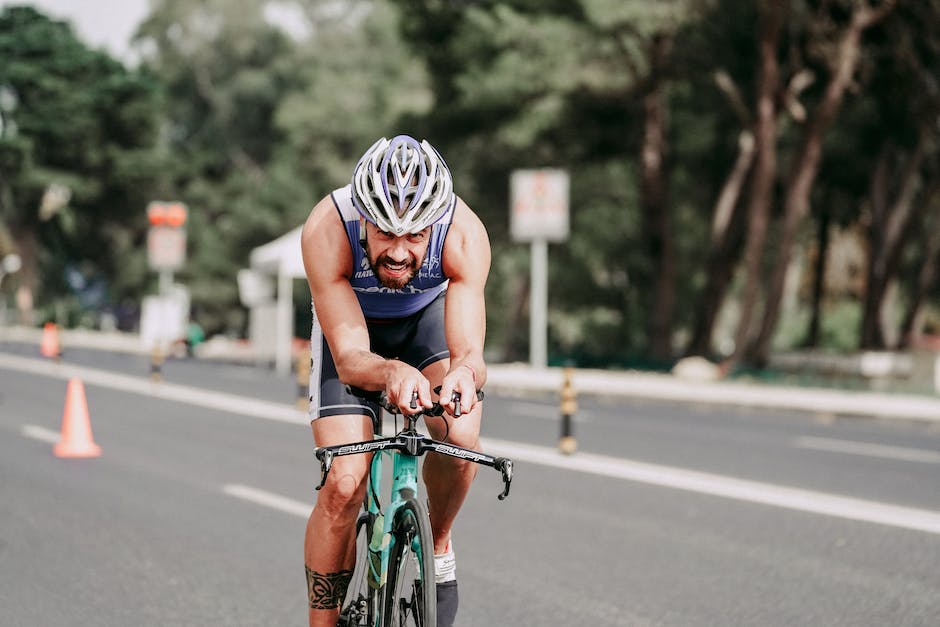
(457, 452)
(363, 447)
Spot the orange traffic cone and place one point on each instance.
(49, 346)
(76, 440)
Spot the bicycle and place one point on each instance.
(393, 579)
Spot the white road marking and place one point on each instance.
(268, 499)
(40, 433)
(220, 401)
(718, 485)
(871, 450)
(652, 474)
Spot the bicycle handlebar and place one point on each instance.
(410, 442)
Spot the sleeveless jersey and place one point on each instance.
(377, 300)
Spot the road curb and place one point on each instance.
(665, 387)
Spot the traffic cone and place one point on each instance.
(49, 345)
(76, 440)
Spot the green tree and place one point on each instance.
(576, 85)
(263, 123)
(225, 70)
(76, 158)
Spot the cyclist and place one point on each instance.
(396, 264)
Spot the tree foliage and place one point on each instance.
(77, 160)
(712, 145)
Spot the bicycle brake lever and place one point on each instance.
(326, 462)
(456, 398)
(505, 467)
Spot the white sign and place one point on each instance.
(539, 204)
(166, 247)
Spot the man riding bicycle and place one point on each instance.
(396, 264)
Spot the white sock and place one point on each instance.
(445, 566)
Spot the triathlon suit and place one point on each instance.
(405, 324)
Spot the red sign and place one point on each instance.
(167, 213)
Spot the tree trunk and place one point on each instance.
(515, 337)
(888, 227)
(765, 167)
(819, 278)
(724, 248)
(926, 278)
(806, 167)
(870, 331)
(656, 213)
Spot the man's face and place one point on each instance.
(395, 259)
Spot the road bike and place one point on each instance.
(393, 580)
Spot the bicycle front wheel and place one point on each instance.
(410, 596)
(360, 607)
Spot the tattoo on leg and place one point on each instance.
(326, 590)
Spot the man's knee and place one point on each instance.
(342, 494)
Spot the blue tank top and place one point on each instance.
(376, 300)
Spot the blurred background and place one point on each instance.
(750, 182)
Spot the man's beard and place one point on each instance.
(410, 268)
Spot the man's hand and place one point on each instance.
(462, 380)
(401, 383)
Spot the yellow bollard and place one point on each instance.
(156, 363)
(302, 370)
(567, 444)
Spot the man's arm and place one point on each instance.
(328, 264)
(466, 260)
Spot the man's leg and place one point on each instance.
(448, 480)
(329, 543)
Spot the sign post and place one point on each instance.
(166, 240)
(539, 214)
(164, 316)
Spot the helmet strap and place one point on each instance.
(362, 231)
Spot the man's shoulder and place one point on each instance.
(467, 224)
(467, 245)
(324, 233)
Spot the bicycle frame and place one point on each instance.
(405, 447)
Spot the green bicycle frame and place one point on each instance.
(404, 485)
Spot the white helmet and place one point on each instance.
(402, 186)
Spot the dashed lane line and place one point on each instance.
(268, 499)
(42, 434)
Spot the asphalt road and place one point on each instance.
(667, 515)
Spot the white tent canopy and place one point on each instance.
(281, 256)
(280, 259)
